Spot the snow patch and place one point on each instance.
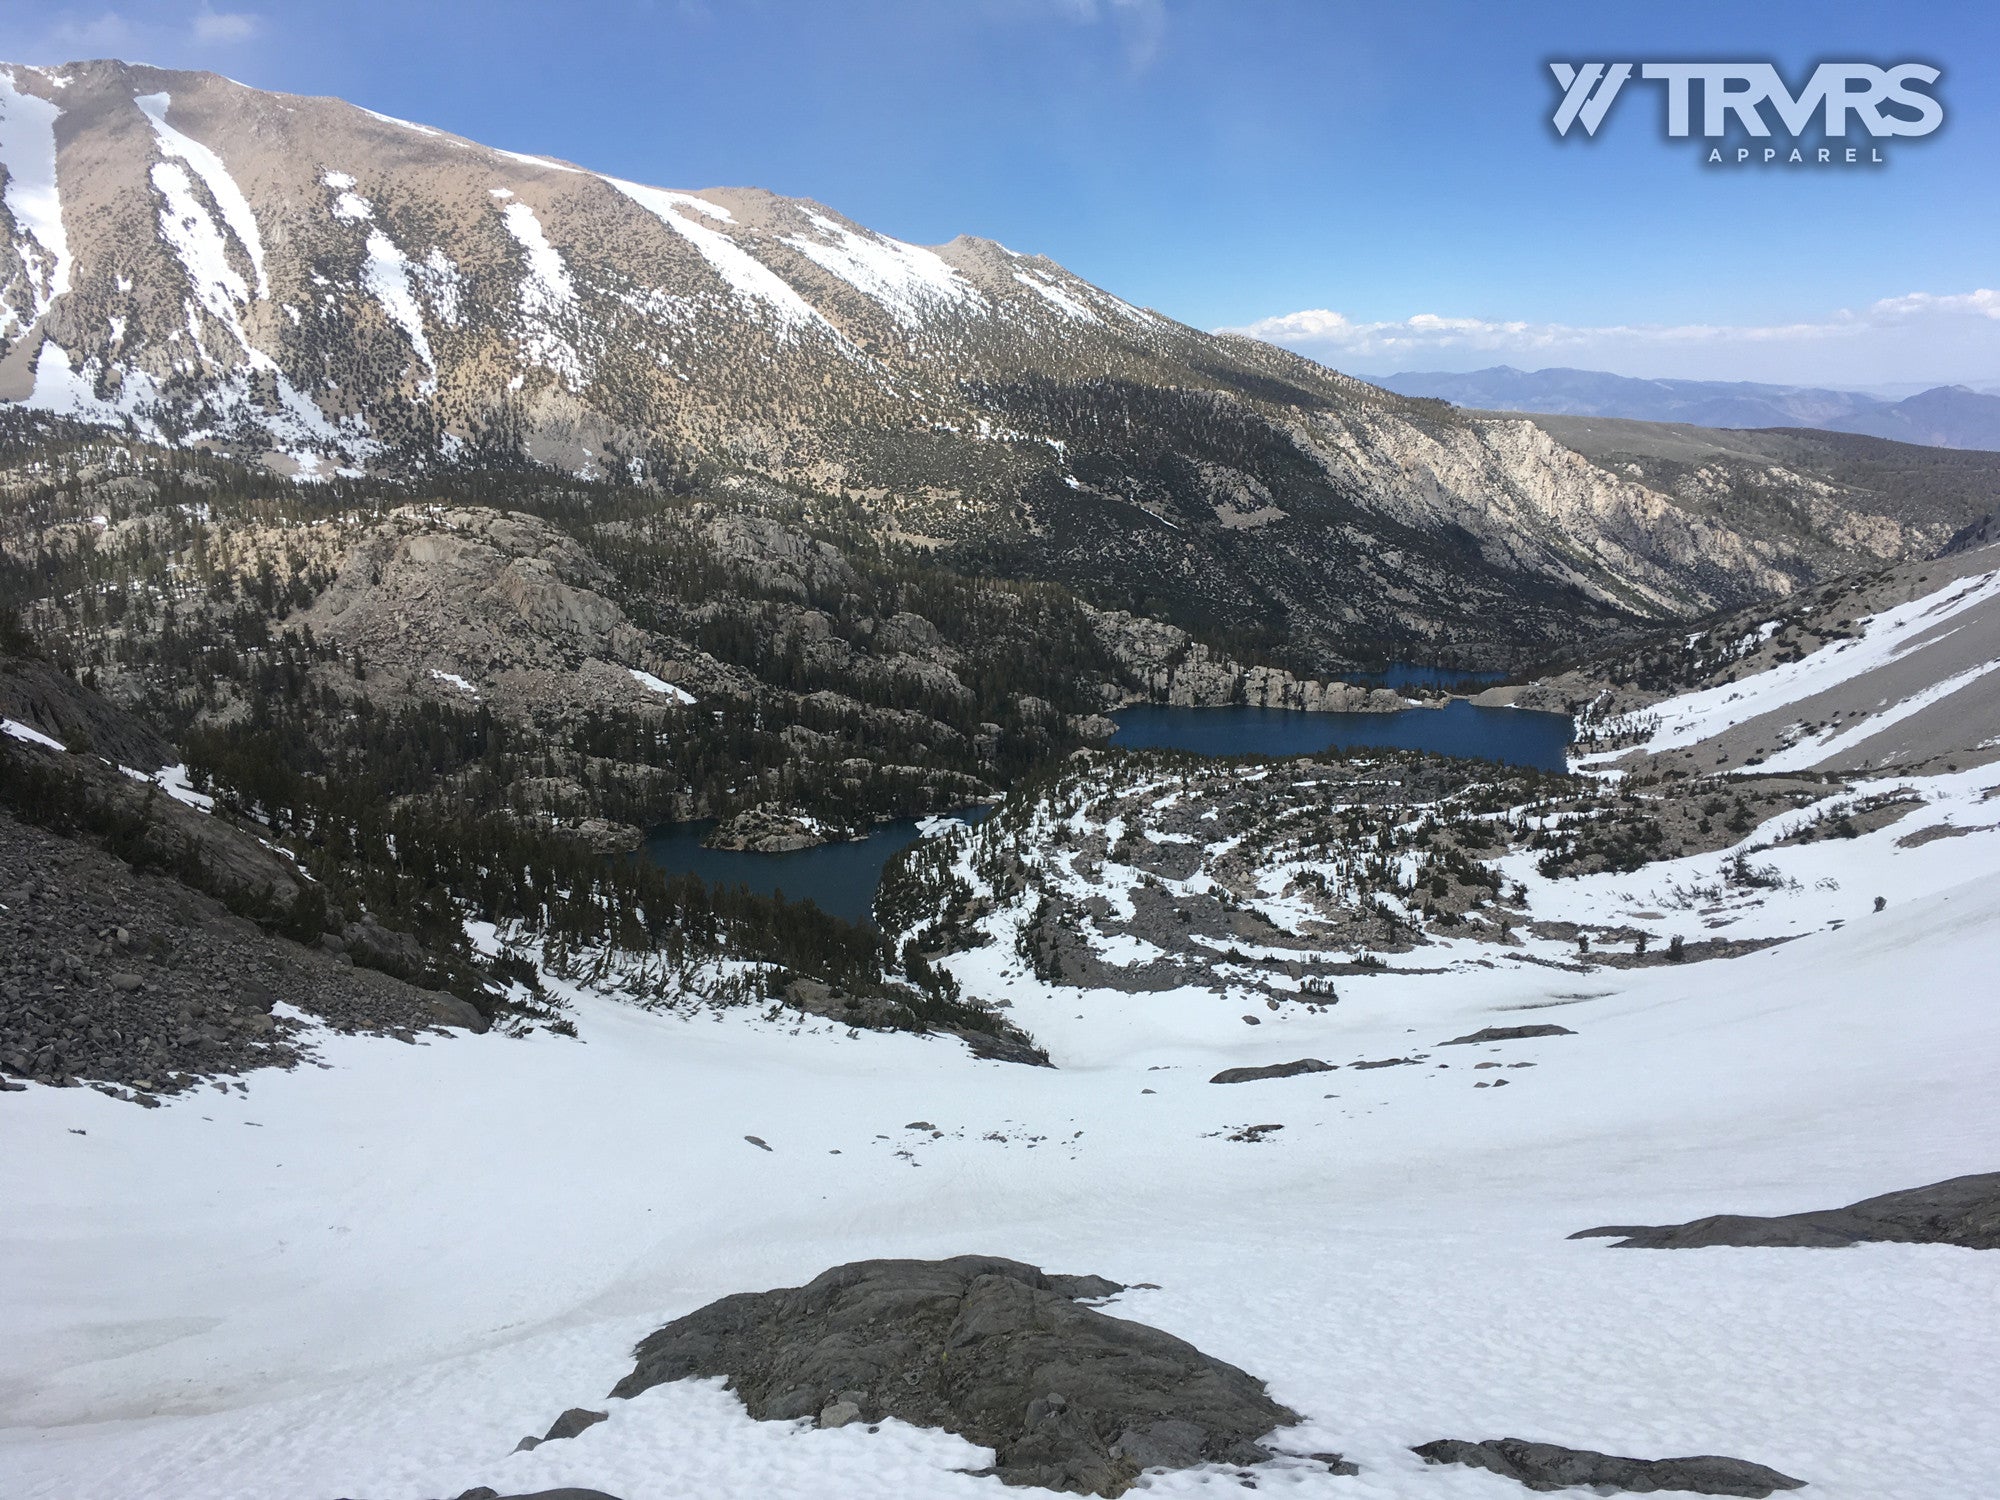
(68, 390)
(748, 278)
(173, 780)
(660, 685)
(910, 281)
(548, 299)
(28, 152)
(1056, 297)
(386, 273)
(221, 186)
(455, 680)
(535, 161)
(17, 730)
(405, 124)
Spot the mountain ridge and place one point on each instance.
(329, 291)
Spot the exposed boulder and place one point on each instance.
(1506, 1034)
(1275, 1070)
(1007, 1357)
(568, 1425)
(1546, 1466)
(1958, 1211)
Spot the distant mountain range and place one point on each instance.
(1946, 416)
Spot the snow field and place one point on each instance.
(418, 1254)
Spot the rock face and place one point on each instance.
(1275, 1070)
(1959, 1211)
(1181, 672)
(1545, 1466)
(999, 1352)
(39, 695)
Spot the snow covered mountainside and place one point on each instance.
(266, 1288)
(1886, 670)
(325, 290)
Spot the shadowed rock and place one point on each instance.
(568, 1425)
(1545, 1466)
(1507, 1034)
(994, 1350)
(1959, 1211)
(1275, 1070)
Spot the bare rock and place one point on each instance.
(570, 1423)
(1546, 1466)
(1274, 1070)
(1068, 1398)
(1958, 1211)
(1507, 1034)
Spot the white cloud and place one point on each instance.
(226, 26)
(1984, 302)
(176, 37)
(1921, 335)
(89, 36)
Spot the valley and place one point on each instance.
(799, 864)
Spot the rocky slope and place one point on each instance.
(1888, 670)
(330, 291)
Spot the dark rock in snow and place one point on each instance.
(1959, 1211)
(1253, 1133)
(1545, 1466)
(1336, 1463)
(1275, 1070)
(570, 1423)
(483, 1493)
(993, 1048)
(1507, 1034)
(1386, 1062)
(1066, 1396)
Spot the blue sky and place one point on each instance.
(1321, 172)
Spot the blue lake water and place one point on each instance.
(839, 878)
(842, 878)
(1512, 736)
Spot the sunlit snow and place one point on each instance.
(749, 278)
(908, 280)
(660, 685)
(221, 186)
(28, 152)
